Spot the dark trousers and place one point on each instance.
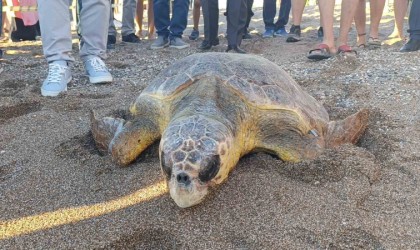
(211, 19)
(414, 20)
(249, 4)
(236, 20)
(165, 26)
(269, 12)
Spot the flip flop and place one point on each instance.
(345, 49)
(322, 52)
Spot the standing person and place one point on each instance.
(250, 14)
(376, 10)
(211, 23)
(55, 25)
(128, 29)
(295, 31)
(196, 19)
(236, 21)
(236, 15)
(400, 10)
(150, 18)
(269, 12)
(327, 47)
(170, 30)
(413, 43)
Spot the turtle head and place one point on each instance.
(194, 156)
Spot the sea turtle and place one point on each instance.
(210, 109)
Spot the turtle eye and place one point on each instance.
(211, 170)
(165, 166)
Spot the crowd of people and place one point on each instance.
(55, 29)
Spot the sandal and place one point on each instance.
(362, 45)
(374, 42)
(345, 49)
(321, 52)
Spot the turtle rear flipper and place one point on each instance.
(348, 130)
(104, 130)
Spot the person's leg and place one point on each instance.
(236, 20)
(297, 12)
(179, 18)
(161, 17)
(414, 20)
(112, 31)
(139, 17)
(360, 21)
(150, 19)
(269, 12)
(400, 10)
(54, 20)
(211, 23)
(326, 8)
(94, 18)
(196, 13)
(348, 10)
(128, 29)
(196, 19)
(376, 10)
(284, 13)
(249, 13)
(413, 43)
(178, 24)
(55, 27)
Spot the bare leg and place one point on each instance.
(376, 10)
(297, 11)
(348, 10)
(360, 21)
(150, 19)
(326, 8)
(196, 13)
(139, 17)
(400, 10)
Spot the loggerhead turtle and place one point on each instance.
(210, 109)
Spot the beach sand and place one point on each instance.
(58, 192)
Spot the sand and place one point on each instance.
(58, 192)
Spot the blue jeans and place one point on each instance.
(414, 20)
(269, 12)
(170, 27)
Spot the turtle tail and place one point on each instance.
(348, 130)
(104, 130)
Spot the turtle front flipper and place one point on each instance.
(104, 130)
(134, 137)
(348, 130)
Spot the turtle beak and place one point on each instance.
(185, 191)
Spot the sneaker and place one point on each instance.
(268, 34)
(59, 75)
(178, 43)
(97, 71)
(294, 34)
(131, 38)
(281, 32)
(160, 43)
(194, 35)
(110, 44)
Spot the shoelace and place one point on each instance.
(55, 73)
(97, 64)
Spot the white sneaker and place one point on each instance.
(59, 75)
(97, 70)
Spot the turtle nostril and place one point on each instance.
(183, 178)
